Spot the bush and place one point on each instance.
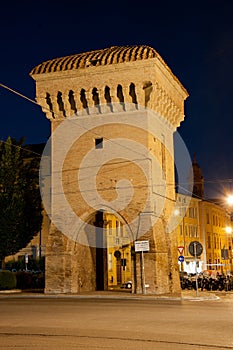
(30, 280)
(7, 280)
(39, 280)
(33, 264)
(24, 280)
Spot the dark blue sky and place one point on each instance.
(193, 37)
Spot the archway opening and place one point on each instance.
(113, 261)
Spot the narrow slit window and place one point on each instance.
(49, 103)
(83, 98)
(72, 101)
(132, 93)
(99, 143)
(60, 103)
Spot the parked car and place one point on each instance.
(127, 285)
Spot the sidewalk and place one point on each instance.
(191, 295)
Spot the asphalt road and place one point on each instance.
(58, 323)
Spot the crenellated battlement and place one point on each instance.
(128, 75)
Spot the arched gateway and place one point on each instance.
(113, 113)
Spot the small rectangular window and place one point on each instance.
(117, 228)
(110, 261)
(110, 227)
(99, 143)
(181, 230)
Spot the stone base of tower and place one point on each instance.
(157, 271)
(72, 268)
(158, 277)
(69, 266)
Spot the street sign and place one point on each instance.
(141, 246)
(195, 248)
(181, 249)
(117, 254)
(181, 258)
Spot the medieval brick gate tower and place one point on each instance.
(113, 114)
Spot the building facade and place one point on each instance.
(217, 237)
(188, 231)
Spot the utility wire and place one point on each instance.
(96, 134)
(19, 94)
(81, 126)
(36, 103)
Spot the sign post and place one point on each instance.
(26, 262)
(181, 249)
(181, 257)
(143, 275)
(142, 246)
(195, 249)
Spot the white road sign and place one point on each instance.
(141, 246)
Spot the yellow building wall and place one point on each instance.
(188, 230)
(205, 222)
(119, 248)
(214, 221)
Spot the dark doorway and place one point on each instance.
(119, 268)
(101, 253)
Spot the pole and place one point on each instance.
(123, 266)
(183, 229)
(195, 259)
(40, 241)
(26, 262)
(143, 275)
(203, 235)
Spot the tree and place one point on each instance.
(20, 200)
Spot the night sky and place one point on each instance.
(193, 37)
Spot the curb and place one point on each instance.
(11, 291)
(127, 296)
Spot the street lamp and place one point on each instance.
(229, 199)
(228, 229)
(225, 250)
